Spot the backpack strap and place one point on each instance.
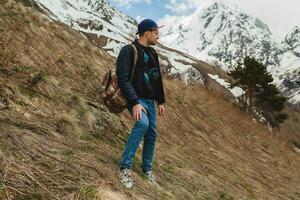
(135, 58)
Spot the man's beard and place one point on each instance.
(151, 42)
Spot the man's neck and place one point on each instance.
(143, 42)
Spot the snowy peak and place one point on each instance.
(102, 8)
(227, 17)
(91, 16)
(293, 41)
(287, 74)
(231, 16)
(214, 33)
(223, 36)
(294, 36)
(111, 14)
(212, 6)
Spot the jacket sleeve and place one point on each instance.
(161, 94)
(124, 67)
(160, 97)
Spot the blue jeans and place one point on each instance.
(144, 128)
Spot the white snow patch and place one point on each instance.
(113, 47)
(236, 91)
(295, 98)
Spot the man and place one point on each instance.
(141, 93)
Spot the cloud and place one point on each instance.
(139, 18)
(128, 3)
(180, 7)
(280, 15)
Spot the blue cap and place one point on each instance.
(146, 25)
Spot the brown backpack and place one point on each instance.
(110, 91)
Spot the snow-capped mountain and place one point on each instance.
(287, 72)
(215, 33)
(91, 16)
(223, 36)
(110, 29)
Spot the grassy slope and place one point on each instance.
(59, 142)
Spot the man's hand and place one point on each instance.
(161, 109)
(137, 112)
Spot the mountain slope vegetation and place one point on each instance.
(58, 141)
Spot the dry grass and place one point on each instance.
(220, 148)
(57, 141)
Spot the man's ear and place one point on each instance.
(147, 33)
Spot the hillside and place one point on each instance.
(58, 141)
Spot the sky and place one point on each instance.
(280, 15)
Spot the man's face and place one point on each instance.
(152, 37)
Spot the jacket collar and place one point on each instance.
(137, 44)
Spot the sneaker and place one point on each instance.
(150, 177)
(126, 178)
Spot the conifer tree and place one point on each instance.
(260, 94)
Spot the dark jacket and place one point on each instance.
(134, 90)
